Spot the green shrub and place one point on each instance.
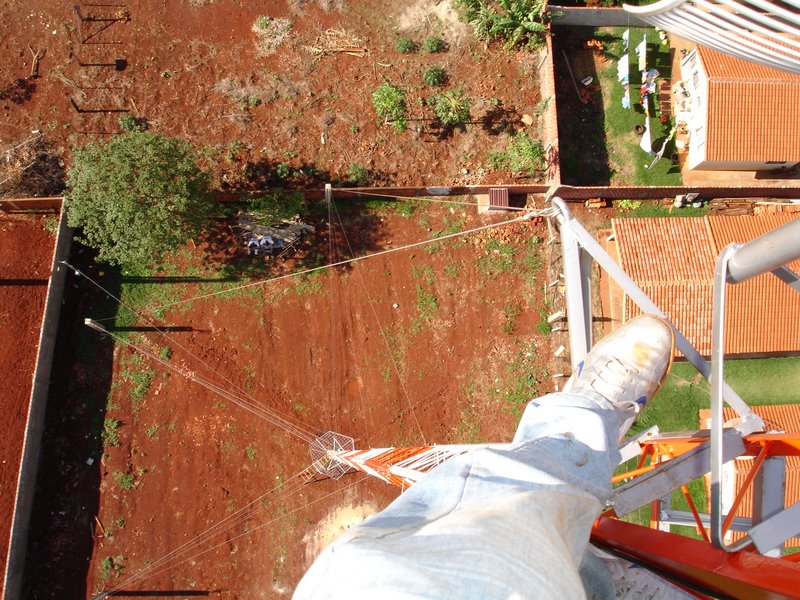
(357, 174)
(405, 45)
(452, 108)
(130, 123)
(627, 205)
(433, 44)
(110, 433)
(521, 23)
(125, 481)
(389, 102)
(434, 76)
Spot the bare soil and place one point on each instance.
(411, 347)
(192, 69)
(25, 256)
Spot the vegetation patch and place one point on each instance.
(389, 102)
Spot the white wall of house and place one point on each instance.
(695, 81)
(711, 165)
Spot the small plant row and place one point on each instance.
(450, 107)
(431, 44)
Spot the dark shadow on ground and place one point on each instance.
(581, 131)
(499, 120)
(225, 243)
(67, 491)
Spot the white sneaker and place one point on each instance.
(627, 366)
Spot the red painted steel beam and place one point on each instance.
(697, 564)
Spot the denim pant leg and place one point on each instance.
(510, 522)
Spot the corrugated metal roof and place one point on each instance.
(672, 260)
(753, 111)
(785, 417)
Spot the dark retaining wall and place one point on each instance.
(29, 464)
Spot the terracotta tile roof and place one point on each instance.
(753, 111)
(673, 260)
(785, 417)
(724, 66)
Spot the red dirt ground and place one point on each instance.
(324, 357)
(26, 251)
(315, 112)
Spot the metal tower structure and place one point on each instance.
(667, 461)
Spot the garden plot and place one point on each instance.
(442, 343)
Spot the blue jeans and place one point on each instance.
(510, 522)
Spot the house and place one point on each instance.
(672, 260)
(737, 115)
(777, 417)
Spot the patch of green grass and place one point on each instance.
(51, 224)
(152, 431)
(110, 433)
(498, 258)
(112, 565)
(521, 381)
(677, 404)
(453, 270)
(125, 481)
(656, 209)
(450, 227)
(621, 141)
(523, 155)
(251, 453)
(165, 353)
(425, 273)
(427, 305)
(119, 522)
(309, 284)
(405, 208)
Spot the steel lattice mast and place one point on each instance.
(334, 454)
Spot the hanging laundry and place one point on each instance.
(641, 51)
(625, 37)
(623, 69)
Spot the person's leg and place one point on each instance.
(503, 523)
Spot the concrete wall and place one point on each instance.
(29, 465)
(594, 17)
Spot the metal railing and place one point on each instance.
(767, 254)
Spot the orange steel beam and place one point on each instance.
(698, 565)
(778, 444)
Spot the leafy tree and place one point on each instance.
(452, 108)
(137, 197)
(389, 102)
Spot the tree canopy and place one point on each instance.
(137, 197)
